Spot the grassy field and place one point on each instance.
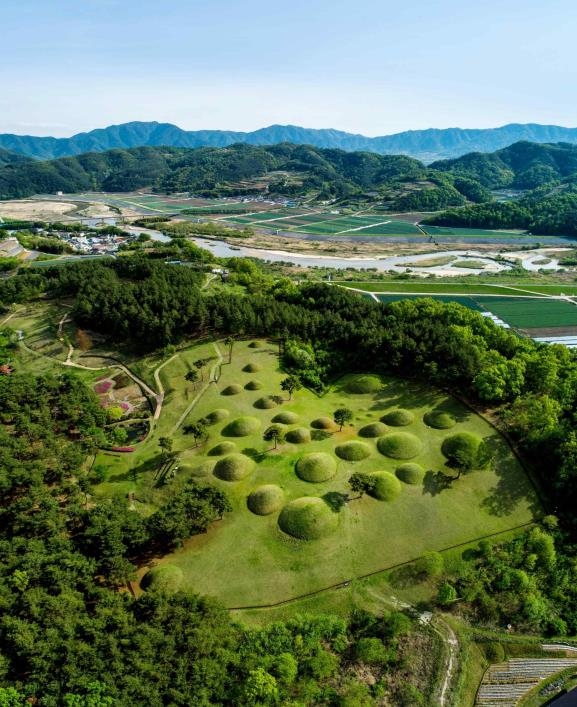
(247, 559)
(441, 288)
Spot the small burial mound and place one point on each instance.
(252, 368)
(410, 473)
(265, 500)
(462, 449)
(234, 467)
(308, 518)
(439, 420)
(316, 467)
(197, 471)
(254, 385)
(286, 418)
(362, 385)
(322, 423)
(398, 418)
(298, 436)
(166, 579)
(242, 427)
(387, 487)
(255, 345)
(400, 445)
(233, 389)
(353, 451)
(216, 416)
(221, 449)
(265, 403)
(374, 429)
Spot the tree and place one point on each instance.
(191, 376)
(229, 342)
(342, 416)
(274, 433)
(166, 446)
(361, 483)
(446, 594)
(196, 429)
(199, 365)
(290, 385)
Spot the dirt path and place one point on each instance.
(211, 379)
(8, 318)
(160, 395)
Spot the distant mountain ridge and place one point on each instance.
(426, 145)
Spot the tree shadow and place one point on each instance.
(320, 435)
(255, 453)
(335, 500)
(405, 576)
(435, 482)
(149, 465)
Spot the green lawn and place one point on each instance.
(247, 560)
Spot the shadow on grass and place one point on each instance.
(335, 500)
(152, 464)
(435, 482)
(405, 576)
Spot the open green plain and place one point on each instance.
(246, 559)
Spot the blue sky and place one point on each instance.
(366, 66)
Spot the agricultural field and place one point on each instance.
(441, 288)
(536, 313)
(296, 526)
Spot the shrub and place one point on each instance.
(386, 486)
(322, 423)
(166, 579)
(364, 384)
(398, 418)
(286, 418)
(242, 427)
(353, 451)
(265, 500)
(316, 467)
(400, 445)
(254, 385)
(299, 436)
(410, 473)
(221, 449)
(374, 429)
(233, 389)
(234, 467)
(308, 518)
(439, 420)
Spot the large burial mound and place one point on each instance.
(439, 420)
(410, 473)
(198, 471)
(400, 445)
(221, 449)
(286, 418)
(254, 385)
(167, 579)
(234, 467)
(316, 467)
(462, 449)
(233, 389)
(265, 500)
(386, 486)
(362, 385)
(216, 416)
(308, 518)
(322, 423)
(242, 427)
(265, 403)
(300, 435)
(353, 451)
(398, 418)
(252, 368)
(374, 429)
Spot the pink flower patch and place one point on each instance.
(125, 406)
(102, 387)
(123, 449)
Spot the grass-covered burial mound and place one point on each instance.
(216, 416)
(167, 579)
(363, 385)
(198, 471)
(221, 449)
(255, 345)
(353, 451)
(286, 418)
(410, 473)
(265, 500)
(233, 389)
(265, 403)
(252, 368)
(386, 486)
(439, 420)
(242, 427)
(400, 445)
(322, 423)
(308, 518)
(298, 436)
(254, 385)
(316, 467)
(464, 451)
(234, 467)
(374, 429)
(398, 418)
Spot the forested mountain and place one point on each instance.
(426, 145)
(9, 157)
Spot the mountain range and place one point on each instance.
(425, 145)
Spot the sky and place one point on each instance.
(365, 66)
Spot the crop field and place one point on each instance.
(464, 232)
(296, 527)
(541, 313)
(440, 288)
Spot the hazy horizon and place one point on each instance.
(363, 67)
